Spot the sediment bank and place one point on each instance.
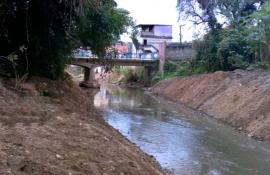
(239, 98)
(51, 127)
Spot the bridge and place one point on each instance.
(89, 65)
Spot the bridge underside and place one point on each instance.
(90, 64)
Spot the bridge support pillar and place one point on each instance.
(147, 75)
(89, 78)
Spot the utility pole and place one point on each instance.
(181, 36)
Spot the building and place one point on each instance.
(152, 35)
(121, 47)
(155, 41)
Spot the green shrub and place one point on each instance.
(225, 49)
(179, 68)
(131, 74)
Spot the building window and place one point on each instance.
(144, 42)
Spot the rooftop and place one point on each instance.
(153, 25)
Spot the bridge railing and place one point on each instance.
(145, 56)
(127, 56)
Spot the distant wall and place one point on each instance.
(177, 51)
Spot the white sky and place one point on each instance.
(157, 12)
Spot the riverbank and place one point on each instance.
(182, 140)
(52, 127)
(239, 98)
(117, 79)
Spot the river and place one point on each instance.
(182, 140)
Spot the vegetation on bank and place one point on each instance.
(189, 67)
(238, 36)
(130, 74)
(37, 36)
(178, 68)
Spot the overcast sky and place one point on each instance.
(157, 12)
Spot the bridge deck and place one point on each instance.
(114, 62)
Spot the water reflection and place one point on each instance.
(101, 99)
(183, 141)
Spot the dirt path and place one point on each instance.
(59, 132)
(239, 98)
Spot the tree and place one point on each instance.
(40, 27)
(47, 31)
(236, 27)
(101, 26)
(259, 25)
(215, 13)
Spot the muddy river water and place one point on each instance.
(182, 140)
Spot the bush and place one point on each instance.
(206, 51)
(131, 75)
(225, 49)
(179, 68)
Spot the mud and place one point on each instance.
(51, 127)
(239, 98)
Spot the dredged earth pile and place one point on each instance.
(239, 98)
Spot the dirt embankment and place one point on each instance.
(54, 129)
(240, 98)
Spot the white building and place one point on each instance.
(151, 35)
